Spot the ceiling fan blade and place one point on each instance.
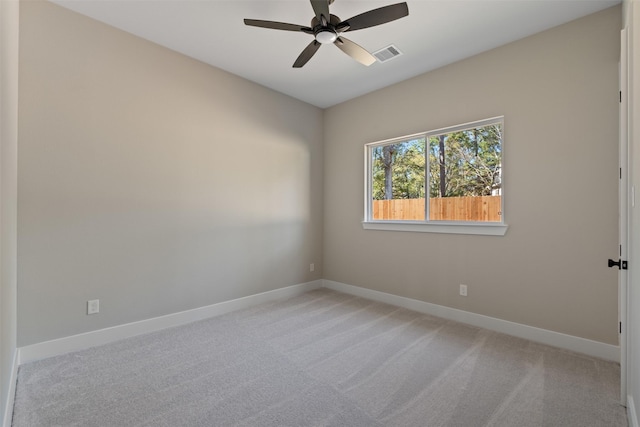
(277, 25)
(355, 51)
(321, 8)
(306, 54)
(374, 17)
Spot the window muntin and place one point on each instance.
(459, 167)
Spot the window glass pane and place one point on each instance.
(398, 180)
(465, 175)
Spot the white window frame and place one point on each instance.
(429, 226)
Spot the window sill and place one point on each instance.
(485, 228)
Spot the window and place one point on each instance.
(447, 180)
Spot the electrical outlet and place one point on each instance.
(463, 290)
(93, 306)
(312, 267)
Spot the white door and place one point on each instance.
(626, 198)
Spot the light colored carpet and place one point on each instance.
(320, 359)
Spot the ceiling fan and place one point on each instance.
(327, 28)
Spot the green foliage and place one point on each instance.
(472, 162)
(407, 170)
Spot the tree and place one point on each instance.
(442, 167)
(461, 163)
(387, 164)
(473, 161)
(398, 170)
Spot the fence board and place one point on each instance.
(481, 208)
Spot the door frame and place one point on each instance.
(626, 200)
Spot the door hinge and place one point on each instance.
(621, 264)
(620, 331)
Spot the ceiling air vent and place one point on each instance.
(387, 53)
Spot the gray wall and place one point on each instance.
(151, 181)
(9, 17)
(558, 93)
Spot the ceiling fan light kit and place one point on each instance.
(326, 36)
(328, 29)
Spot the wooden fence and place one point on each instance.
(482, 208)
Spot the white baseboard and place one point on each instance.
(8, 405)
(107, 335)
(632, 415)
(544, 336)
(104, 336)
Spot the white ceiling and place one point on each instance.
(436, 33)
